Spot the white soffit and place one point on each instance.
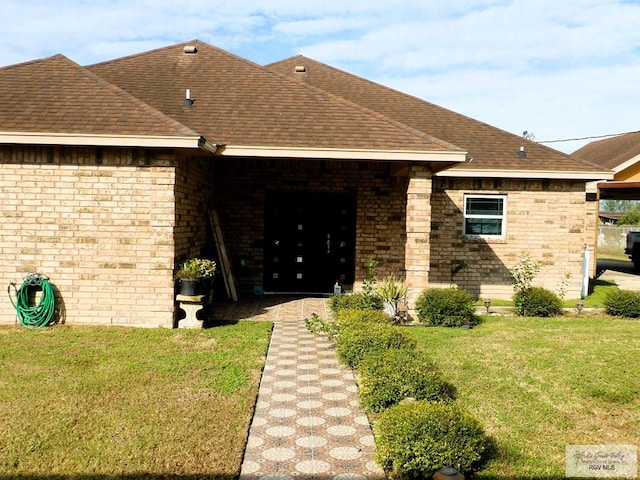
(550, 174)
(344, 154)
(98, 140)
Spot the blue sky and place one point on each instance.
(557, 69)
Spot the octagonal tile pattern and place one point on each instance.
(307, 422)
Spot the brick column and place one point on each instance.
(418, 225)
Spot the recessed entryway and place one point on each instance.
(309, 241)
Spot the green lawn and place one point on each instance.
(82, 402)
(540, 384)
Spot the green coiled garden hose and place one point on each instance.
(33, 316)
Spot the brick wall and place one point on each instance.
(99, 223)
(547, 219)
(108, 225)
(193, 194)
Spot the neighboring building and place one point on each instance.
(609, 218)
(621, 154)
(109, 172)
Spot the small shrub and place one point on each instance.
(537, 302)
(196, 269)
(623, 303)
(318, 325)
(360, 301)
(394, 375)
(391, 289)
(449, 307)
(414, 440)
(357, 340)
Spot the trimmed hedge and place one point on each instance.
(623, 303)
(537, 302)
(394, 375)
(415, 440)
(344, 318)
(351, 315)
(359, 301)
(448, 307)
(356, 340)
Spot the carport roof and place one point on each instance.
(619, 190)
(253, 111)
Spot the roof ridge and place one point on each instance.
(284, 60)
(197, 42)
(33, 62)
(134, 55)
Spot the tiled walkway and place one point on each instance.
(307, 423)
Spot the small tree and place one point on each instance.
(522, 276)
(618, 205)
(564, 283)
(369, 284)
(524, 272)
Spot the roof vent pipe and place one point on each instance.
(190, 49)
(522, 153)
(187, 102)
(300, 69)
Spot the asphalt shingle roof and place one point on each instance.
(57, 96)
(240, 103)
(491, 148)
(237, 102)
(611, 152)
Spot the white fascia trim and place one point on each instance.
(98, 140)
(344, 154)
(550, 174)
(626, 164)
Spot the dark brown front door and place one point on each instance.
(309, 241)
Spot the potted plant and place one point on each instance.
(391, 290)
(195, 276)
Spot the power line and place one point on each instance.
(589, 138)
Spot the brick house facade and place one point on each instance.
(104, 225)
(108, 193)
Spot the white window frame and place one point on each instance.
(502, 218)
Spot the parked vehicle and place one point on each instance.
(633, 249)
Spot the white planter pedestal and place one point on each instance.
(191, 305)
